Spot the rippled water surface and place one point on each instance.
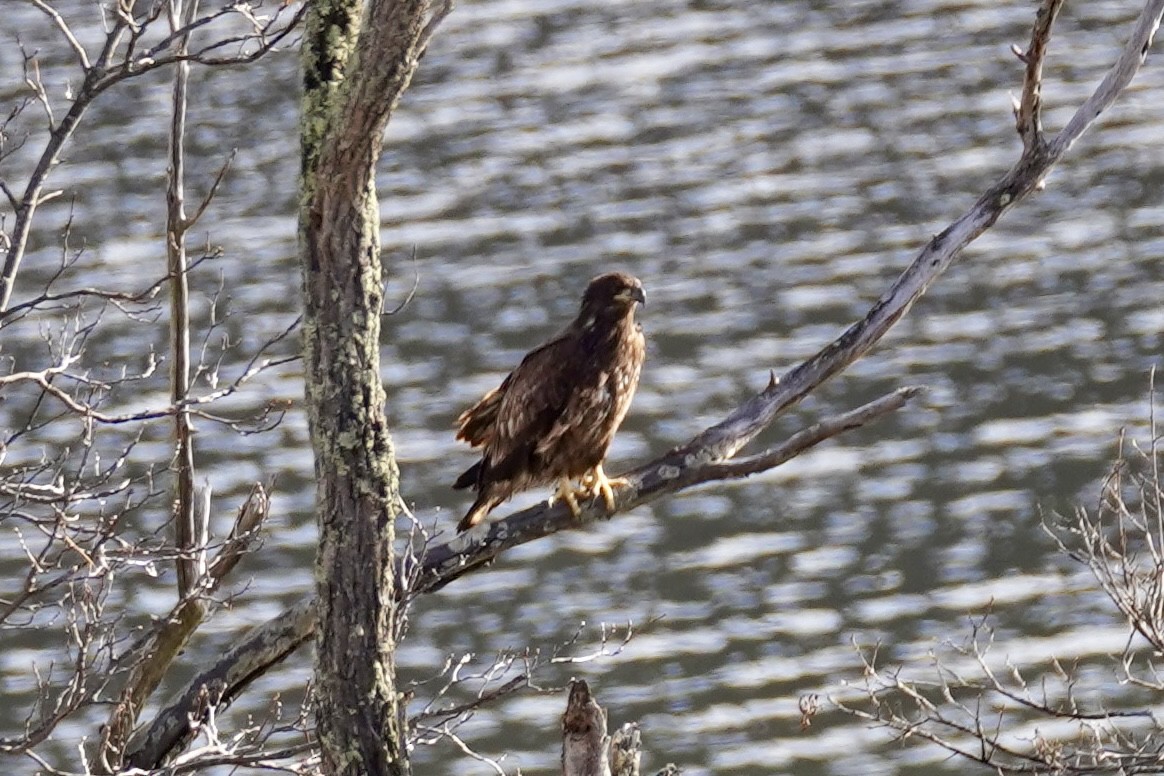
(766, 169)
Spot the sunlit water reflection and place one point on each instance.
(766, 169)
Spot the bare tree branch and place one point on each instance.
(66, 31)
(116, 63)
(206, 200)
(438, 15)
(1120, 543)
(151, 656)
(1029, 114)
(1114, 82)
(258, 650)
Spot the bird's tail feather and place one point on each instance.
(481, 507)
(468, 478)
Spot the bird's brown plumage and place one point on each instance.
(554, 416)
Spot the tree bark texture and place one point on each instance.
(355, 69)
(585, 745)
(586, 748)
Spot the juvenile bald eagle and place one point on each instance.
(553, 418)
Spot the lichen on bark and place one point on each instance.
(348, 98)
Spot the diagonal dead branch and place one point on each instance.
(807, 438)
(156, 651)
(258, 650)
(438, 15)
(1114, 81)
(206, 200)
(1029, 114)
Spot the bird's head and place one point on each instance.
(614, 292)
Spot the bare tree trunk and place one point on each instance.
(354, 72)
(585, 745)
(357, 485)
(586, 748)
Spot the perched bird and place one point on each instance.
(552, 419)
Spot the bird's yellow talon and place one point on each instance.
(566, 493)
(598, 484)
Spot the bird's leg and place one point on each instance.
(597, 483)
(565, 492)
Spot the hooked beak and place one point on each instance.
(636, 294)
